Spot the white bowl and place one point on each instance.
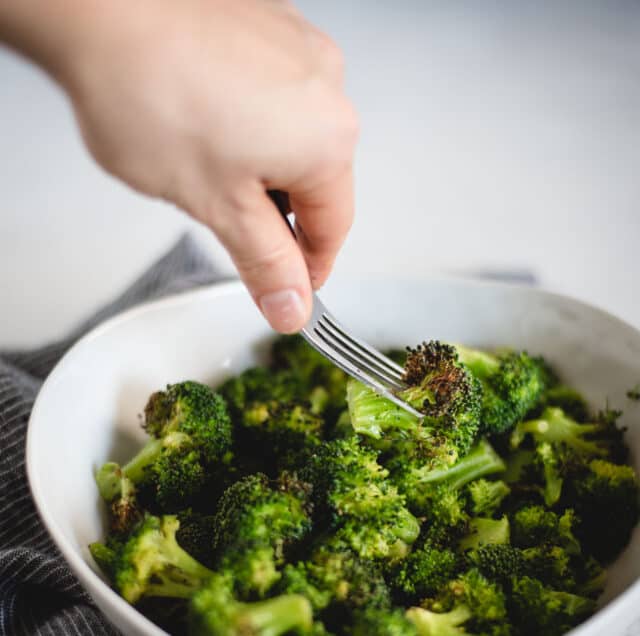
(87, 410)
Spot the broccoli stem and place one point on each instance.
(134, 469)
(275, 616)
(439, 624)
(482, 460)
(554, 427)
(372, 414)
(482, 364)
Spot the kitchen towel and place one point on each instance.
(38, 592)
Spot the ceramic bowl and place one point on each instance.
(88, 409)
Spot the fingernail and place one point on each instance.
(284, 310)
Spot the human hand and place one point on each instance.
(209, 103)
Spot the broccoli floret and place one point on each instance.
(497, 562)
(258, 384)
(605, 497)
(151, 563)
(381, 623)
(337, 582)
(482, 532)
(569, 400)
(282, 435)
(438, 386)
(254, 524)
(190, 446)
(513, 383)
(354, 499)
(423, 573)
(421, 483)
(532, 526)
(537, 609)
(555, 427)
(469, 603)
(216, 610)
(196, 535)
(552, 565)
(324, 384)
(486, 496)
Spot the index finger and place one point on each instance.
(324, 215)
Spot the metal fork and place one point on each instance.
(354, 356)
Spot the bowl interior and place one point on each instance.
(88, 409)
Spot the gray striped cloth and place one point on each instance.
(38, 593)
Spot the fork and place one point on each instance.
(353, 355)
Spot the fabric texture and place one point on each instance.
(38, 592)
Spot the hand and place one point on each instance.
(208, 103)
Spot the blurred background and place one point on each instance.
(497, 138)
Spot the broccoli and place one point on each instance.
(481, 532)
(513, 383)
(281, 435)
(569, 400)
(254, 524)
(486, 496)
(382, 623)
(295, 501)
(196, 535)
(467, 604)
(605, 497)
(428, 623)
(497, 561)
(151, 563)
(423, 573)
(191, 443)
(538, 609)
(337, 582)
(422, 484)
(324, 384)
(215, 610)
(534, 525)
(354, 498)
(555, 427)
(634, 394)
(438, 386)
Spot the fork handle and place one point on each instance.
(281, 201)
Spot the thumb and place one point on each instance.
(268, 259)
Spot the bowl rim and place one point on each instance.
(80, 566)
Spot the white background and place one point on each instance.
(494, 136)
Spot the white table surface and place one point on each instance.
(494, 135)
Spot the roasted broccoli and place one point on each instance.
(512, 384)
(151, 563)
(189, 448)
(354, 498)
(292, 501)
(438, 386)
(215, 610)
(254, 524)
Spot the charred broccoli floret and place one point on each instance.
(438, 386)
